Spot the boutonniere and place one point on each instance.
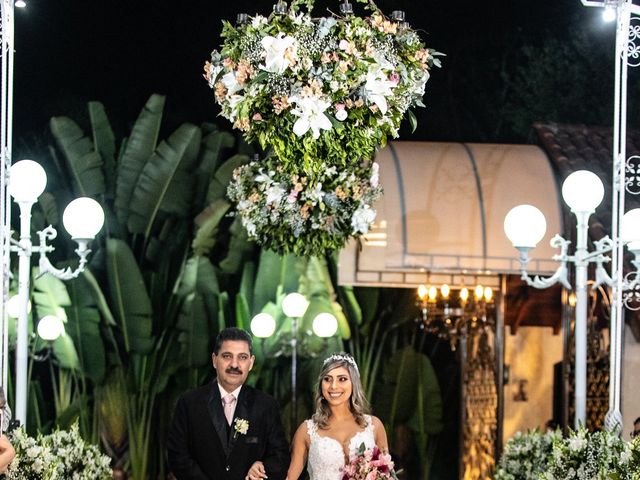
(240, 426)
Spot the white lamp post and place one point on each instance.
(623, 292)
(83, 218)
(524, 225)
(294, 306)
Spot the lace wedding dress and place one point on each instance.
(326, 455)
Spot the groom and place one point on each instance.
(227, 430)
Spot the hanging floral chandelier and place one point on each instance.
(320, 96)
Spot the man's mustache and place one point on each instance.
(233, 370)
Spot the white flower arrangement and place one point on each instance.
(240, 426)
(582, 455)
(277, 208)
(60, 455)
(600, 455)
(526, 455)
(319, 93)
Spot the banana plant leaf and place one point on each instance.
(213, 144)
(85, 163)
(208, 222)
(73, 411)
(50, 296)
(397, 394)
(194, 332)
(129, 298)
(267, 280)
(243, 312)
(165, 182)
(138, 149)
(239, 249)
(247, 283)
(50, 208)
(65, 353)
(426, 421)
(83, 326)
(104, 142)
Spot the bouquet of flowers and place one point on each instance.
(276, 206)
(526, 455)
(317, 93)
(60, 455)
(369, 464)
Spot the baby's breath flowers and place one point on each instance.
(319, 93)
(60, 455)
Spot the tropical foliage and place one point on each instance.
(171, 269)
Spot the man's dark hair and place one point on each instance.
(232, 333)
(637, 420)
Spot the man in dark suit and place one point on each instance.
(227, 430)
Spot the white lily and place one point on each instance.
(362, 219)
(231, 83)
(311, 112)
(275, 49)
(377, 88)
(274, 194)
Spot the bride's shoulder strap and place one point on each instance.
(312, 428)
(369, 420)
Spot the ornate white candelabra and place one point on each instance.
(83, 219)
(525, 226)
(625, 180)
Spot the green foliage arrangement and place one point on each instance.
(59, 455)
(318, 93)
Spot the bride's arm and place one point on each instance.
(299, 452)
(379, 434)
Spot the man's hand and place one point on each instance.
(7, 453)
(256, 472)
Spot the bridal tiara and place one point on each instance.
(337, 357)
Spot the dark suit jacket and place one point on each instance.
(199, 447)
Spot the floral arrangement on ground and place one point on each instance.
(582, 455)
(319, 93)
(60, 455)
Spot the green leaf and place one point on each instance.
(50, 296)
(139, 147)
(83, 326)
(413, 121)
(194, 332)
(129, 298)
(161, 184)
(65, 352)
(208, 222)
(104, 142)
(85, 164)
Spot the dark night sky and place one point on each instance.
(119, 52)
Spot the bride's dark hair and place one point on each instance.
(357, 402)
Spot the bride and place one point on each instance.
(327, 440)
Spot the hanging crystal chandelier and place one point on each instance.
(452, 314)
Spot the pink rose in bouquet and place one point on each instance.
(369, 464)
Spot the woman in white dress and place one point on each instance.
(333, 435)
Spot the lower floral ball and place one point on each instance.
(290, 212)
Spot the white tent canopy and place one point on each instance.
(442, 213)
